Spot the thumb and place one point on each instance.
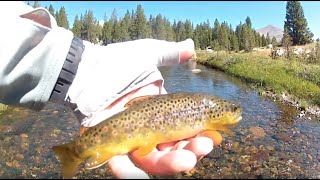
(178, 51)
(186, 50)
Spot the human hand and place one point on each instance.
(166, 159)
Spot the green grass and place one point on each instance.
(280, 75)
(3, 108)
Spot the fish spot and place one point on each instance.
(114, 132)
(126, 125)
(98, 140)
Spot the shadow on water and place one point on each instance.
(269, 142)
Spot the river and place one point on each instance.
(270, 141)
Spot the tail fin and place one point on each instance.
(68, 159)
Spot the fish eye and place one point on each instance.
(235, 107)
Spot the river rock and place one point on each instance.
(23, 135)
(19, 157)
(196, 70)
(258, 132)
(282, 136)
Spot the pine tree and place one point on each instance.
(76, 29)
(139, 24)
(168, 29)
(263, 41)
(296, 24)
(116, 31)
(89, 31)
(188, 29)
(51, 10)
(268, 39)
(234, 42)
(159, 28)
(250, 35)
(106, 35)
(62, 19)
(286, 42)
(224, 37)
(257, 39)
(36, 4)
(274, 42)
(180, 31)
(216, 35)
(124, 27)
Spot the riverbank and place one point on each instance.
(292, 82)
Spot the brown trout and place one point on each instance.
(144, 124)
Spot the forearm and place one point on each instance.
(31, 58)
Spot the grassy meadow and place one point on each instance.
(279, 75)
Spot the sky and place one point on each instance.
(262, 13)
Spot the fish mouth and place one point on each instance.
(238, 119)
(237, 116)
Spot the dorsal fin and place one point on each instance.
(137, 99)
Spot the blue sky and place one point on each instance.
(262, 13)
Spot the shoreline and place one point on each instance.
(287, 98)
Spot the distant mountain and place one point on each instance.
(273, 32)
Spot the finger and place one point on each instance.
(122, 168)
(166, 146)
(166, 163)
(184, 50)
(200, 146)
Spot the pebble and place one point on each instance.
(258, 132)
(283, 136)
(19, 157)
(24, 135)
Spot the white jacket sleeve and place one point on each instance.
(32, 52)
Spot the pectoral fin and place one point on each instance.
(137, 99)
(227, 131)
(68, 159)
(215, 136)
(146, 149)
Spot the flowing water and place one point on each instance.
(269, 142)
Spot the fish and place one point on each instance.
(145, 123)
